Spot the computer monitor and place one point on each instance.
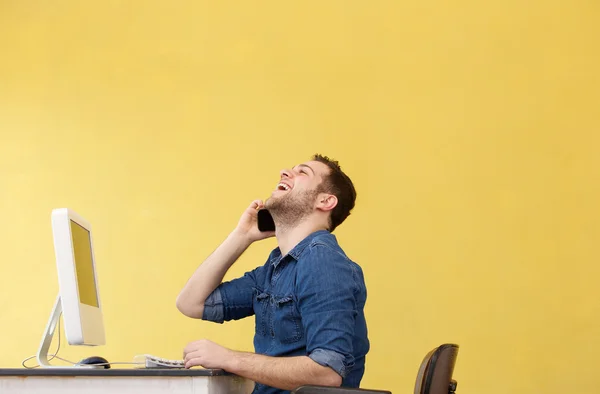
(79, 295)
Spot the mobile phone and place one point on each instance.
(265, 220)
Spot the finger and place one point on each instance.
(191, 355)
(190, 347)
(256, 204)
(193, 362)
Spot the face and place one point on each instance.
(295, 195)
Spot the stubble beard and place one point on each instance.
(290, 210)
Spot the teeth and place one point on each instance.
(286, 187)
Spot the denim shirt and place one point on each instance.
(307, 303)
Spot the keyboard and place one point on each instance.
(150, 361)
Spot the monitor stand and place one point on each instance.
(42, 354)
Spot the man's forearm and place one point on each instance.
(209, 275)
(285, 373)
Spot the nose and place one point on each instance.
(285, 173)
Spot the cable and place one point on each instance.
(55, 355)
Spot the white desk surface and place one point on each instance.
(127, 381)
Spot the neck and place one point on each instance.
(289, 237)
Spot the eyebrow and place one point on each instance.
(307, 166)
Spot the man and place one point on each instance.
(308, 297)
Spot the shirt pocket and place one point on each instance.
(287, 322)
(261, 304)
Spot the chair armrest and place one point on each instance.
(335, 390)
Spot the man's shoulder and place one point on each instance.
(326, 242)
(324, 261)
(324, 238)
(325, 246)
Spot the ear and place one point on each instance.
(326, 202)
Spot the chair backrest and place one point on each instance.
(435, 373)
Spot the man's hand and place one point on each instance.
(285, 373)
(248, 223)
(206, 354)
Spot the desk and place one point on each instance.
(126, 381)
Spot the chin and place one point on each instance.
(269, 203)
(276, 205)
(273, 200)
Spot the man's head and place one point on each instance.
(316, 190)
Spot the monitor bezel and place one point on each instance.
(84, 324)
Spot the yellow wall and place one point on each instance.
(471, 130)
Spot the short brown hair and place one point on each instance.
(340, 185)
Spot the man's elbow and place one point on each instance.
(334, 380)
(189, 310)
(331, 378)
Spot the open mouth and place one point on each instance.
(283, 187)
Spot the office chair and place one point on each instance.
(434, 376)
(435, 373)
(335, 390)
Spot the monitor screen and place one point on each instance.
(82, 251)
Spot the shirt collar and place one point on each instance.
(297, 250)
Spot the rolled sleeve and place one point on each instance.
(213, 307)
(329, 358)
(326, 288)
(232, 300)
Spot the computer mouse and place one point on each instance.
(95, 360)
